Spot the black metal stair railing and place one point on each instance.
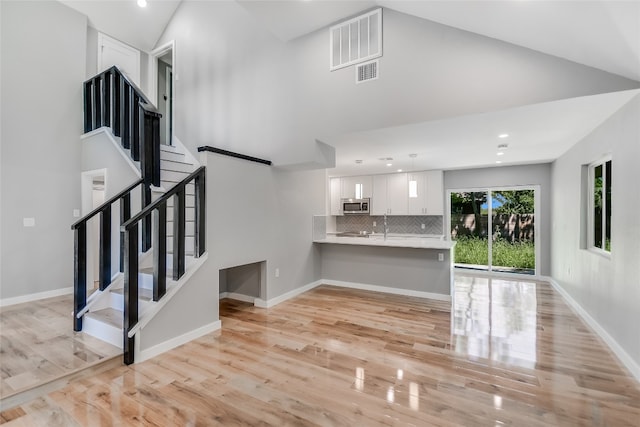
(104, 259)
(112, 100)
(158, 211)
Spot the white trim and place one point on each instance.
(35, 297)
(107, 131)
(259, 302)
(461, 271)
(388, 290)
(363, 286)
(238, 297)
(142, 355)
(188, 156)
(616, 348)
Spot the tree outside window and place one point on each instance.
(600, 226)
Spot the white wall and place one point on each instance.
(43, 52)
(255, 213)
(241, 89)
(607, 288)
(507, 176)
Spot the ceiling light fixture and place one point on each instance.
(503, 135)
(399, 170)
(498, 161)
(499, 153)
(142, 3)
(389, 164)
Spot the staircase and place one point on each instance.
(157, 244)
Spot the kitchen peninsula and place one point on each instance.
(416, 266)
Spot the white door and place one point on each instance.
(113, 52)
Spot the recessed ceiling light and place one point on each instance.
(142, 3)
(503, 135)
(399, 170)
(389, 164)
(499, 153)
(498, 161)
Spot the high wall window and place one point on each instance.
(600, 205)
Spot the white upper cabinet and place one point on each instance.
(389, 195)
(356, 187)
(416, 193)
(335, 189)
(425, 193)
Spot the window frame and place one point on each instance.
(591, 235)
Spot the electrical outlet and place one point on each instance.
(441, 257)
(422, 226)
(29, 222)
(277, 272)
(76, 213)
(374, 223)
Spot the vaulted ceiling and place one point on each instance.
(603, 34)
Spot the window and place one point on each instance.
(600, 205)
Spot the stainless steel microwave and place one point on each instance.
(355, 206)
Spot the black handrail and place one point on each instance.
(111, 99)
(158, 210)
(80, 248)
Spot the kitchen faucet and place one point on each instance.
(386, 229)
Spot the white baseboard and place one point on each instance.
(239, 297)
(387, 290)
(35, 297)
(622, 355)
(363, 286)
(291, 294)
(157, 349)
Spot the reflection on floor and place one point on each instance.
(497, 319)
(37, 345)
(514, 355)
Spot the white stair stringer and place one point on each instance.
(105, 318)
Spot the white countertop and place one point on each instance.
(391, 242)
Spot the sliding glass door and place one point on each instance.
(494, 229)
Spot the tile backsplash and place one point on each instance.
(395, 224)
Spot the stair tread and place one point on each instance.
(110, 316)
(143, 293)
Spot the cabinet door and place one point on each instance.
(379, 195)
(397, 194)
(356, 187)
(335, 189)
(417, 193)
(435, 193)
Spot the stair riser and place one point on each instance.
(103, 331)
(188, 245)
(167, 155)
(190, 215)
(189, 227)
(168, 165)
(167, 185)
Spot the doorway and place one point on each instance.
(495, 229)
(162, 64)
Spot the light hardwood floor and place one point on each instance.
(38, 345)
(510, 353)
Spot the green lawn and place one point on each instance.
(473, 250)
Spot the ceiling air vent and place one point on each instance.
(356, 40)
(366, 72)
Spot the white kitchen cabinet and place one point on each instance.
(390, 195)
(435, 192)
(356, 187)
(425, 193)
(335, 194)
